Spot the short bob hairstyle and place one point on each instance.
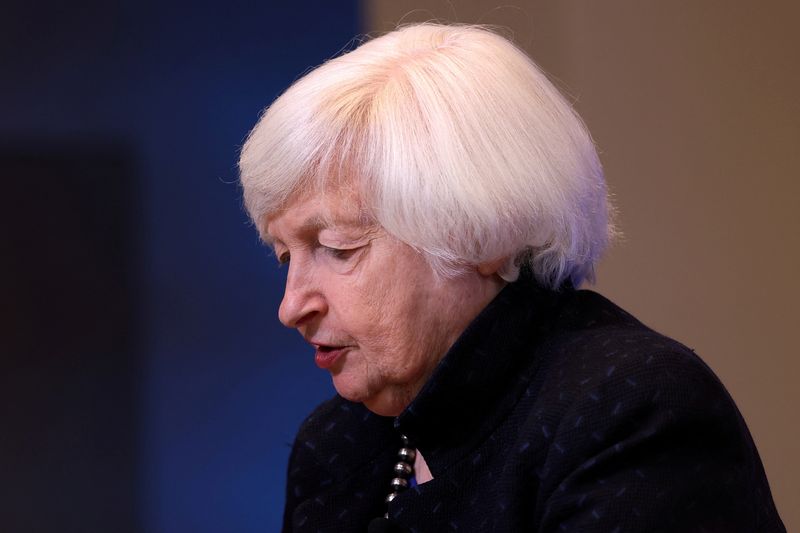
(456, 144)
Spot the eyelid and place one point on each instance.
(282, 256)
(342, 238)
(340, 251)
(342, 247)
(347, 255)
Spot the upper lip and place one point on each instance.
(317, 344)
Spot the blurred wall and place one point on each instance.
(694, 108)
(68, 339)
(180, 419)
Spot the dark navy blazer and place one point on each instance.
(553, 412)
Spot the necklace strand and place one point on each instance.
(403, 471)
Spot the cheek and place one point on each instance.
(386, 306)
(361, 306)
(379, 319)
(408, 332)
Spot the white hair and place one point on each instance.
(457, 144)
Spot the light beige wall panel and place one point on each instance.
(695, 108)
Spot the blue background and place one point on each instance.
(221, 387)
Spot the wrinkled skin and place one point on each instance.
(353, 287)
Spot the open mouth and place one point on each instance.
(326, 355)
(326, 349)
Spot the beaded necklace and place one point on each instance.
(403, 472)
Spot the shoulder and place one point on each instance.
(637, 415)
(606, 369)
(595, 344)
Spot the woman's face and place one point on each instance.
(370, 305)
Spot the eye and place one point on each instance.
(283, 258)
(339, 253)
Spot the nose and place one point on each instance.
(303, 300)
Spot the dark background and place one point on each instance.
(145, 382)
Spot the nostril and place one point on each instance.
(304, 318)
(300, 307)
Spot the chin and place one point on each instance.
(383, 408)
(350, 392)
(382, 403)
(378, 395)
(388, 402)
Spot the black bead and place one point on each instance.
(403, 469)
(407, 455)
(399, 483)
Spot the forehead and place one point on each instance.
(309, 214)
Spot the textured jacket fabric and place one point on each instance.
(553, 412)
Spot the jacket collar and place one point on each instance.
(481, 376)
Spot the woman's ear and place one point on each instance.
(490, 268)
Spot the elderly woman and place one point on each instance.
(437, 203)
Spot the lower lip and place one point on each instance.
(328, 358)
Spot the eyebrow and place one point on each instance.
(312, 224)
